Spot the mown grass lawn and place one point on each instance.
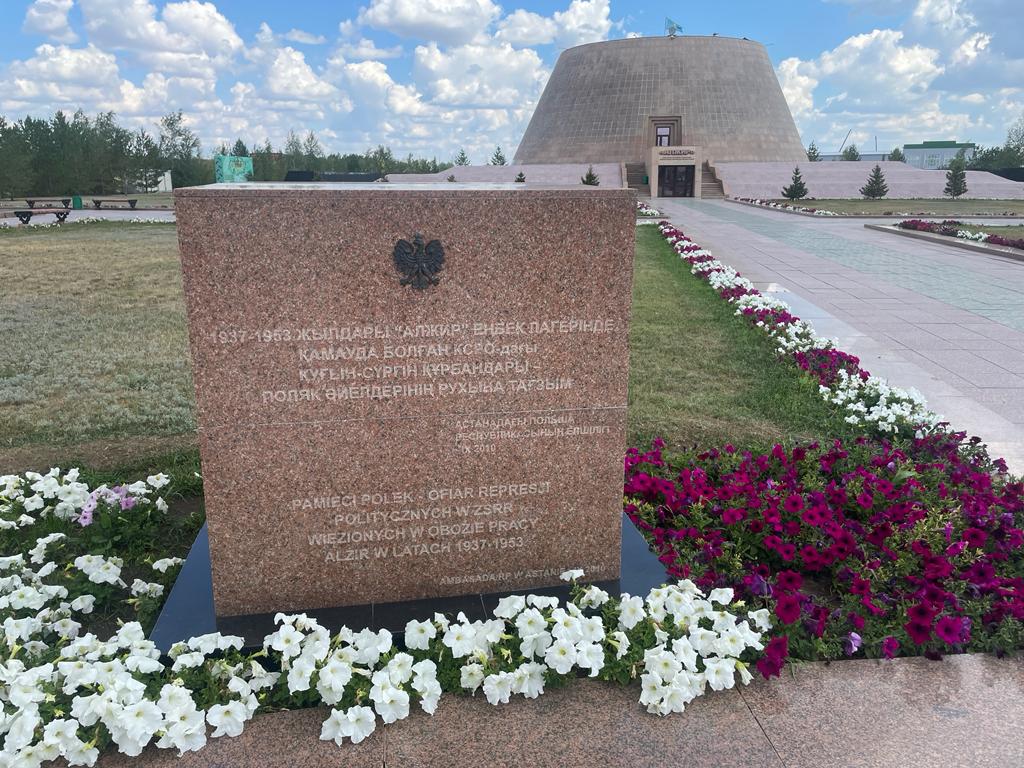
(935, 207)
(96, 349)
(96, 370)
(699, 375)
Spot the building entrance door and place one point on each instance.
(675, 181)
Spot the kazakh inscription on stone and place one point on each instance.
(371, 432)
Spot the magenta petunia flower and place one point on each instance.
(950, 629)
(789, 580)
(787, 608)
(731, 516)
(890, 646)
(919, 633)
(793, 503)
(921, 613)
(975, 537)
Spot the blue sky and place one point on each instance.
(429, 76)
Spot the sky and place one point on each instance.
(431, 76)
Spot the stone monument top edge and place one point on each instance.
(391, 187)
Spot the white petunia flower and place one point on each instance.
(509, 607)
(227, 719)
(418, 635)
(498, 688)
(472, 677)
(561, 656)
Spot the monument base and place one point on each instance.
(189, 611)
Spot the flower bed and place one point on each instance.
(954, 228)
(4, 225)
(645, 210)
(67, 692)
(863, 548)
(785, 206)
(867, 401)
(905, 541)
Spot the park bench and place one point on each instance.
(65, 201)
(99, 201)
(26, 216)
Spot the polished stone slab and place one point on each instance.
(378, 428)
(585, 724)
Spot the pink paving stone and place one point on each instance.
(280, 740)
(363, 441)
(966, 710)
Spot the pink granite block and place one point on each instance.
(366, 441)
(583, 725)
(279, 740)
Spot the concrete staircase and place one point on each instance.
(710, 185)
(635, 173)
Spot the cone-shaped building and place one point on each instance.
(614, 101)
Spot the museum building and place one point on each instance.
(668, 108)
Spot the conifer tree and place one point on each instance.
(462, 158)
(851, 153)
(897, 156)
(591, 178)
(813, 155)
(956, 178)
(498, 158)
(876, 187)
(796, 190)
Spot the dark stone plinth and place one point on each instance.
(188, 610)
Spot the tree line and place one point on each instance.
(86, 155)
(995, 158)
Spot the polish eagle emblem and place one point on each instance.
(419, 262)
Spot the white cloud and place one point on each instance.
(797, 87)
(304, 38)
(480, 74)
(371, 81)
(971, 48)
(584, 21)
(203, 26)
(50, 18)
(190, 36)
(289, 76)
(448, 22)
(526, 28)
(365, 48)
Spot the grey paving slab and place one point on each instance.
(948, 322)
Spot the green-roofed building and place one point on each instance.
(932, 155)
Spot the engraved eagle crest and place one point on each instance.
(419, 262)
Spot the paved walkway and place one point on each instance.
(961, 711)
(946, 321)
